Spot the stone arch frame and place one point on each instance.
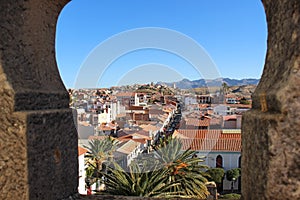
(39, 142)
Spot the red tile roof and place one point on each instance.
(135, 136)
(125, 94)
(220, 144)
(140, 140)
(229, 117)
(212, 133)
(197, 122)
(210, 140)
(81, 151)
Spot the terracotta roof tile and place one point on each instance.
(125, 94)
(197, 122)
(81, 151)
(220, 144)
(229, 117)
(212, 133)
(210, 140)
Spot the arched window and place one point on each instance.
(219, 161)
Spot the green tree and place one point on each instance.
(169, 173)
(232, 174)
(99, 152)
(231, 196)
(139, 182)
(216, 174)
(244, 101)
(184, 167)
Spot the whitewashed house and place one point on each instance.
(81, 169)
(221, 148)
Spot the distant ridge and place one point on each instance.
(188, 84)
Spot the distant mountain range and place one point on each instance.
(188, 84)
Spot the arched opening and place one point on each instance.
(26, 44)
(219, 164)
(72, 31)
(219, 161)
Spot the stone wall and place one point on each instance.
(271, 130)
(38, 141)
(38, 157)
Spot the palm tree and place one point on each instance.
(99, 152)
(169, 173)
(138, 182)
(183, 167)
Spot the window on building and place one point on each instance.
(219, 161)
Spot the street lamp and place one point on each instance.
(233, 180)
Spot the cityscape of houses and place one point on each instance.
(209, 124)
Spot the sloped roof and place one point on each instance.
(149, 127)
(210, 140)
(197, 122)
(81, 151)
(211, 133)
(125, 94)
(176, 134)
(134, 136)
(122, 133)
(128, 147)
(229, 117)
(142, 132)
(140, 140)
(220, 144)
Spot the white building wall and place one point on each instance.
(81, 184)
(120, 108)
(190, 100)
(103, 118)
(85, 131)
(221, 110)
(136, 100)
(114, 110)
(230, 161)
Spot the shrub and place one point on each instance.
(216, 174)
(230, 196)
(232, 174)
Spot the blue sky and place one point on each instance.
(232, 33)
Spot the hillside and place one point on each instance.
(188, 84)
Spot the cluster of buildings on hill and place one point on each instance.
(212, 130)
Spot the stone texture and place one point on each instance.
(27, 44)
(52, 154)
(38, 140)
(271, 131)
